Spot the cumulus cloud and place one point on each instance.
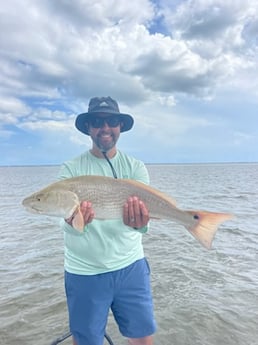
(55, 55)
(58, 48)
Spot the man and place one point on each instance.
(105, 266)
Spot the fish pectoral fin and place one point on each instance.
(206, 225)
(78, 221)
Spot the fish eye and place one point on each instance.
(39, 197)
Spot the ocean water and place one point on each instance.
(201, 297)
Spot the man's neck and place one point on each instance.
(98, 153)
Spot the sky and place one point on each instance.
(186, 70)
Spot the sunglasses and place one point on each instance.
(98, 122)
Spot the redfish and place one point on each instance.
(108, 196)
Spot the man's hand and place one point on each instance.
(87, 212)
(135, 213)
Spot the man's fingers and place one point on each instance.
(87, 211)
(135, 213)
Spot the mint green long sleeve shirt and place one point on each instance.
(104, 245)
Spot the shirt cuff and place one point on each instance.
(142, 230)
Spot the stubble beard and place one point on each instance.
(105, 146)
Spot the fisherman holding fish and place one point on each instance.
(105, 267)
(105, 201)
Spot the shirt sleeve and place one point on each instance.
(65, 171)
(141, 173)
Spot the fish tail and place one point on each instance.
(206, 225)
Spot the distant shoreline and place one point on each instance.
(174, 163)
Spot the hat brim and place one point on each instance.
(80, 122)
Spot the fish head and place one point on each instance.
(52, 202)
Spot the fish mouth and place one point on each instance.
(31, 208)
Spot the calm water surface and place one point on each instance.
(201, 297)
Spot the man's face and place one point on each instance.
(104, 131)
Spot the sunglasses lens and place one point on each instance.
(98, 122)
(113, 121)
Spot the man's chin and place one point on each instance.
(105, 147)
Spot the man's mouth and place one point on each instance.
(105, 135)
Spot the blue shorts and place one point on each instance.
(126, 291)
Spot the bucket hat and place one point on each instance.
(103, 105)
